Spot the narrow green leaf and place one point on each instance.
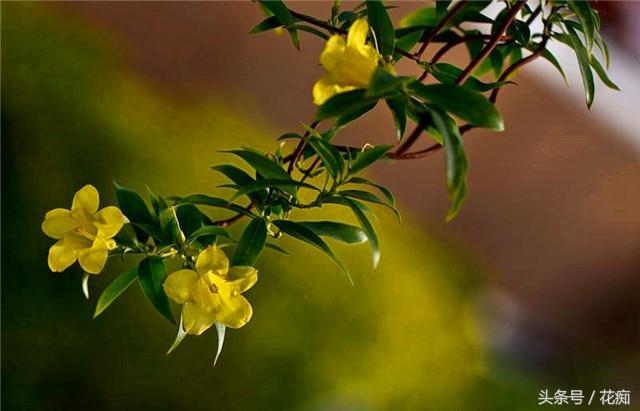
(190, 219)
(258, 185)
(338, 231)
(423, 18)
(344, 104)
(202, 199)
(276, 248)
(455, 160)
(368, 229)
(115, 289)
(370, 197)
(151, 276)
(384, 190)
(448, 74)
(133, 207)
(382, 26)
(441, 6)
(330, 156)
(270, 23)
(573, 41)
(302, 233)
(583, 11)
(210, 230)
(398, 107)
(547, 55)
(367, 157)
(282, 13)
(602, 73)
(384, 84)
(263, 165)
(251, 243)
(467, 104)
(234, 174)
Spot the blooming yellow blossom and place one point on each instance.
(83, 233)
(349, 65)
(211, 293)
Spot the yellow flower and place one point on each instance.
(83, 233)
(211, 293)
(349, 64)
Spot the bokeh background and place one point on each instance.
(534, 286)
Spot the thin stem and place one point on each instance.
(495, 38)
(412, 138)
(515, 66)
(336, 30)
(299, 149)
(443, 22)
(464, 39)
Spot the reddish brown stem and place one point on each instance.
(445, 20)
(493, 42)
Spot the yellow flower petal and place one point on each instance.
(332, 53)
(61, 257)
(178, 285)
(57, 222)
(235, 312)
(241, 278)
(357, 36)
(196, 320)
(212, 259)
(325, 88)
(87, 199)
(92, 260)
(76, 242)
(109, 221)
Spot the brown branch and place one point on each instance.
(495, 38)
(433, 33)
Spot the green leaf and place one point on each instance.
(331, 157)
(423, 18)
(368, 229)
(520, 32)
(344, 104)
(398, 107)
(206, 231)
(311, 30)
(382, 26)
(258, 185)
(276, 248)
(602, 73)
(203, 199)
(170, 226)
(384, 84)
(133, 207)
(367, 157)
(270, 23)
(370, 197)
(441, 6)
(151, 276)
(251, 243)
(343, 201)
(115, 289)
(583, 11)
(234, 174)
(282, 13)
(263, 165)
(338, 231)
(573, 41)
(467, 104)
(190, 219)
(302, 233)
(154, 231)
(455, 160)
(384, 190)
(547, 55)
(448, 74)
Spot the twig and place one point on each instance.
(443, 22)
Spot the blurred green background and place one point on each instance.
(405, 337)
